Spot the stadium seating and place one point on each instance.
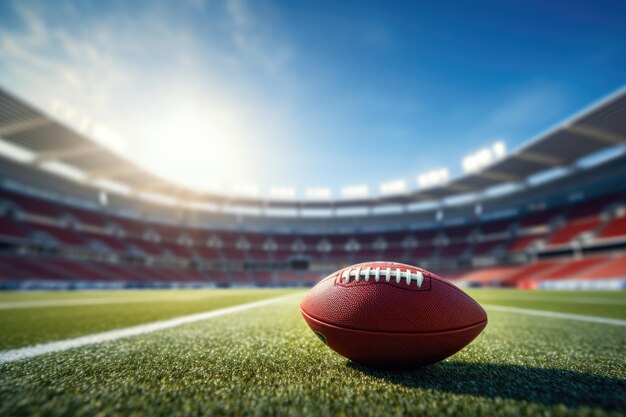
(615, 228)
(528, 271)
(28, 268)
(29, 205)
(524, 242)
(240, 277)
(10, 229)
(206, 254)
(223, 257)
(148, 248)
(567, 269)
(366, 255)
(111, 242)
(612, 268)
(85, 217)
(258, 255)
(397, 255)
(77, 270)
(263, 278)
(179, 251)
(488, 247)
(421, 253)
(281, 256)
(573, 229)
(290, 277)
(495, 227)
(234, 254)
(539, 218)
(58, 234)
(452, 251)
(488, 276)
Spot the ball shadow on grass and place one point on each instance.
(538, 385)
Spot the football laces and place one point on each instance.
(382, 274)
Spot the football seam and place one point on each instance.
(393, 333)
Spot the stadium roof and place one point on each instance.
(600, 127)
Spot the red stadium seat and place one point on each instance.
(529, 272)
(611, 268)
(571, 230)
(522, 243)
(570, 269)
(11, 229)
(488, 276)
(31, 205)
(487, 247)
(61, 235)
(616, 228)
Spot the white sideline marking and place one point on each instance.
(70, 302)
(62, 345)
(554, 314)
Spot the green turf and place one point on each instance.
(267, 362)
(22, 296)
(592, 303)
(25, 326)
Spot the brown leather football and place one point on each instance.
(388, 314)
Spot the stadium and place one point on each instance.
(127, 292)
(550, 215)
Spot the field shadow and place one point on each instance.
(538, 385)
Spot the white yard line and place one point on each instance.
(70, 302)
(62, 345)
(556, 315)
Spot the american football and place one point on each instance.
(388, 314)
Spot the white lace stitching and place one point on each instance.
(358, 273)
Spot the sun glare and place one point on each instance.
(201, 146)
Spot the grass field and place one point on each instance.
(265, 361)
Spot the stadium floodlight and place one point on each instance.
(86, 125)
(112, 186)
(109, 138)
(432, 178)
(72, 116)
(281, 212)
(393, 187)
(157, 198)
(246, 190)
(499, 149)
(64, 170)
(242, 210)
(202, 206)
(318, 193)
(103, 198)
(316, 212)
(355, 191)
(388, 209)
(484, 157)
(63, 110)
(283, 193)
(16, 153)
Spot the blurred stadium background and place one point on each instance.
(549, 215)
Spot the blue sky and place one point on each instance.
(223, 94)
